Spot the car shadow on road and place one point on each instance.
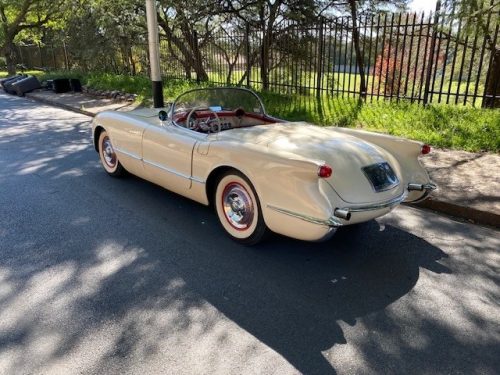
(290, 295)
(140, 240)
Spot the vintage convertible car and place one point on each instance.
(219, 146)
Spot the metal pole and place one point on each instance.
(319, 66)
(248, 57)
(154, 53)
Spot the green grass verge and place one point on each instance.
(441, 125)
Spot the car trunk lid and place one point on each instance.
(347, 155)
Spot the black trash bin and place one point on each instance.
(25, 85)
(61, 85)
(75, 84)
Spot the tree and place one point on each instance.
(481, 17)
(366, 6)
(273, 19)
(94, 26)
(19, 15)
(394, 70)
(187, 30)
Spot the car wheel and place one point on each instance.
(108, 156)
(238, 208)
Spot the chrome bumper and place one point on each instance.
(342, 213)
(377, 206)
(331, 222)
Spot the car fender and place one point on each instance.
(405, 151)
(281, 180)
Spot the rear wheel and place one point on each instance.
(238, 208)
(109, 159)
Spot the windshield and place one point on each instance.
(217, 100)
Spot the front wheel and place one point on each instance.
(238, 209)
(107, 153)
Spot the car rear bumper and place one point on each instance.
(343, 215)
(305, 227)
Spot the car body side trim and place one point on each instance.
(330, 222)
(133, 156)
(173, 171)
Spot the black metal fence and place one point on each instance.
(427, 58)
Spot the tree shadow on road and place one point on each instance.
(123, 269)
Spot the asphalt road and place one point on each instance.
(102, 275)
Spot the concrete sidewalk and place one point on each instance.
(80, 102)
(469, 183)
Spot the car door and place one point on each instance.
(126, 135)
(167, 155)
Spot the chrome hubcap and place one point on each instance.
(108, 152)
(238, 206)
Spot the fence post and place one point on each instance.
(431, 53)
(248, 57)
(319, 68)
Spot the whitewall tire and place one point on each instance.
(238, 209)
(107, 154)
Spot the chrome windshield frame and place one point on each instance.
(172, 107)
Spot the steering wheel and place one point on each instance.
(211, 128)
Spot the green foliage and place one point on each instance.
(24, 19)
(446, 126)
(441, 125)
(100, 34)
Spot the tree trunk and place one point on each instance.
(192, 55)
(493, 84)
(9, 53)
(229, 74)
(201, 74)
(187, 69)
(357, 48)
(132, 61)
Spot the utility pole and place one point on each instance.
(154, 53)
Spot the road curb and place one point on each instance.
(451, 209)
(462, 212)
(60, 105)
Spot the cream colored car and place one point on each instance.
(218, 146)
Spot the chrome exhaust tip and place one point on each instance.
(421, 187)
(342, 213)
(415, 187)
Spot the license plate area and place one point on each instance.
(381, 176)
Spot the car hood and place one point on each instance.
(346, 154)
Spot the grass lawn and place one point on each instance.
(441, 125)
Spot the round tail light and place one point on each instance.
(425, 149)
(325, 171)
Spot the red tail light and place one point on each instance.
(425, 149)
(325, 171)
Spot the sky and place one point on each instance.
(423, 5)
